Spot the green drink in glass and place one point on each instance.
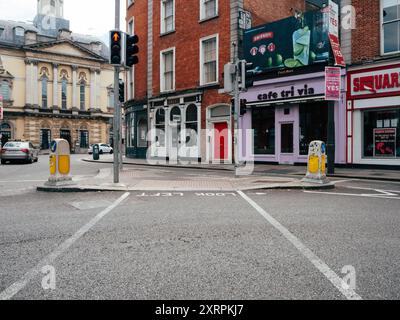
(301, 45)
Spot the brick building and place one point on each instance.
(176, 87)
(287, 107)
(373, 91)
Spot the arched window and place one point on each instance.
(64, 84)
(175, 114)
(44, 92)
(191, 126)
(84, 137)
(160, 127)
(5, 133)
(5, 90)
(82, 95)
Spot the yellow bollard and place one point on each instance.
(316, 169)
(60, 163)
(53, 164)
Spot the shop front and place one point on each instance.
(373, 115)
(136, 130)
(175, 124)
(286, 114)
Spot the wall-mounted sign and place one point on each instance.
(285, 93)
(376, 82)
(332, 83)
(245, 20)
(334, 33)
(385, 143)
(289, 43)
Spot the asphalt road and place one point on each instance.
(257, 245)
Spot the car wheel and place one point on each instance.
(111, 152)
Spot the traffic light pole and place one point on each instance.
(117, 108)
(236, 93)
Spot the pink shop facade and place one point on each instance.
(285, 114)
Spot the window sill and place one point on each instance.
(213, 85)
(208, 19)
(167, 91)
(164, 34)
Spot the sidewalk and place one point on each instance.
(163, 180)
(274, 170)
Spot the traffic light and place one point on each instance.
(243, 107)
(246, 75)
(116, 48)
(131, 50)
(121, 91)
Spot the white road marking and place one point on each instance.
(343, 181)
(12, 290)
(88, 205)
(306, 252)
(376, 196)
(21, 181)
(385, 192)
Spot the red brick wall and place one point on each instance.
(186, 42)
(264, 11)
(366, 36)
(187, 35)
(139, 11)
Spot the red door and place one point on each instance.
(221, 135)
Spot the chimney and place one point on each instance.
(30, 37)
(96, 47)
(64, 34)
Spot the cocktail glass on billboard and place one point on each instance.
(301, 45)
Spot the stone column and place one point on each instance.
(98, 88)
(92, 88)
(35, 84)
(74, 87)
(55, 85)
(28, 82)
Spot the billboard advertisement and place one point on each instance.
(297, 41)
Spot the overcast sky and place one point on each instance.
(93, 17)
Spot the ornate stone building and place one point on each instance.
(54, 83)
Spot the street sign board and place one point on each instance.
(245, 20)
(332, 83)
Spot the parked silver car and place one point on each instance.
(19, 151)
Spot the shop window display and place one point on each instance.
(381, 134)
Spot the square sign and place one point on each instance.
(332, 83)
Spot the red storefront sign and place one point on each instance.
(374, 82)
(332, 83)
(337, 52)
(334, 34)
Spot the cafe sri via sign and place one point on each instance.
(292, 92)
(374, 82)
